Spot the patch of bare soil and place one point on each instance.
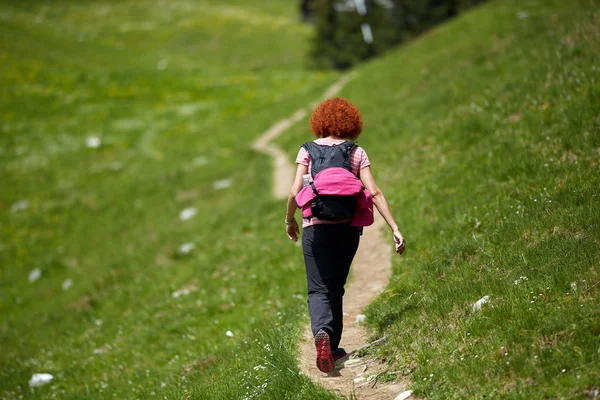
(371, 270)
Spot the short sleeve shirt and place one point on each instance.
(358, 161)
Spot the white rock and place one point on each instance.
(184, 291)
(186, 248)
(480, 302)
(128, 124)
(359, 379)
(354, 362)
(93, 142)
(200, 160)
(404, 395)
(360, 318)
(101, 350)
(66, 285)
(19, 205)
(574, 286)
(187, 213)
(35, 274)
(522, 15)
(229, 333)
(38, 380)
(221, 184)
(180, 292)
(162, 64)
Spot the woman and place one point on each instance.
(330, 246)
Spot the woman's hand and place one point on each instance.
(399, 241)
(292, 230)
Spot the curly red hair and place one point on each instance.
(336, 117)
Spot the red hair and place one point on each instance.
(336, 117)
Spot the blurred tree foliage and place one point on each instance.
(339, 43)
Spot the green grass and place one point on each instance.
(485, 137)
(176, 91)
(484, 134)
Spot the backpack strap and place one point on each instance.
(315, 191)
(323, 156)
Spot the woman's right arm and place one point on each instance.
(292, 226)
(366, 176)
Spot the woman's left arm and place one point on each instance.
(366, 176)
(292, 226)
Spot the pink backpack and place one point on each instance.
(335, 194)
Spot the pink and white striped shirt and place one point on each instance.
(358, 161)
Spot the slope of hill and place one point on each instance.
(131, 264)
(485, 136)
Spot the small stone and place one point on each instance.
(34, 275)
(184, 291)
(162, 64)
(186, 248)
(93, 142)
(67, 283)
(404, 395)
(200, 161)
(221, 184)
(19, 206)
(38, 380)
(188, 213)
(480, 302)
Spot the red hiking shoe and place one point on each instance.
(325, 361)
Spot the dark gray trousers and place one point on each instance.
(328, 253)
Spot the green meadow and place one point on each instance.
(128, 185)
(484, 135)
(142, 255)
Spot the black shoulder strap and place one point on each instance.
(323, 157)
(310, 147)
(348, 147)
(315, 153)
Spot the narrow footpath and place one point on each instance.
(370, 274)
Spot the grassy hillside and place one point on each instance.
(132, 301)
(485, 136)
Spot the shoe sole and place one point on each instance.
(325, 361)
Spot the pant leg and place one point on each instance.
(345, 249)
(328, 254)
(317, 260)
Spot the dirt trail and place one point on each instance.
(371, 270)
(283, 170)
